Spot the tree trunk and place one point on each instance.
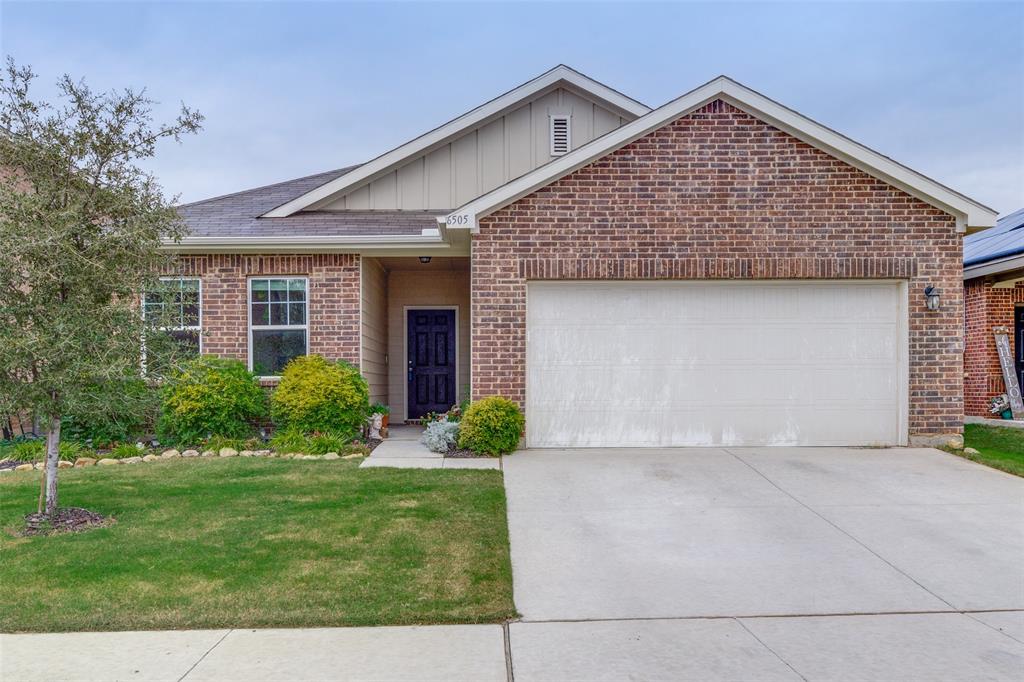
(52, 457)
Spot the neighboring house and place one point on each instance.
(994, 295)
(717, 271)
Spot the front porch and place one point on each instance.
(415, 330)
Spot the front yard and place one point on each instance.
(998, 447)
(258, 543)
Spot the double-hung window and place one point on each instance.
(278, 330)
(177, 306)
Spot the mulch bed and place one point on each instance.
(372, 443)
(66, 520)
(466, 454)
(9, 464)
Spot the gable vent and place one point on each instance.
(560, 141)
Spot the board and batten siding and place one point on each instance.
(482, 158)
(374, 335)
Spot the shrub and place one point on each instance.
(114, 412)
(35, 450)
(491, 426)
(125, 450)
(322, 443)
(441, 436)
(317, 395)
(379, 408)
(210, 396)
(289, 440)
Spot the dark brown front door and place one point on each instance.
(431, 361)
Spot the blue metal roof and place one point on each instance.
(1004, 239)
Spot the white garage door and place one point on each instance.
(683, 363)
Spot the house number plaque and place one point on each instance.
(1002, 335)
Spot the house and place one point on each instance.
(719, 270)
(994, 297)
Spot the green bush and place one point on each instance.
(322, 443)
(210, 396)
(115, 412)
(317, 395)
(35, 450)
(491, 426)
(289, 440)
(124, 451)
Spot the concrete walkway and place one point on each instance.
(402, 449)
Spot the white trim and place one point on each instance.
(994, 267)
(970, 213)
(423, 144)
(306, 243)
(272, 327)
(405, 351)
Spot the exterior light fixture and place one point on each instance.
(931, 295)
(424, 259)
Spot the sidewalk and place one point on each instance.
(439, 652)
(402, 449)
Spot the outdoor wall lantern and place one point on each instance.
(424, 259)
(931, 294)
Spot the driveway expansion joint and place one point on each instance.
(207, 653)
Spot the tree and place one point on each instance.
(81, 229)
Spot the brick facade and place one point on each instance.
(987, 307)
(718, 194)
(333, 299)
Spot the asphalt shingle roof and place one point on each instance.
(237, 215)
(1006, 238)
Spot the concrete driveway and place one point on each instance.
(822, 563)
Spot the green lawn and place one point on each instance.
(1000, 447)
(258, 543)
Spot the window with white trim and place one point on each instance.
(278, 330)
(178, 307)
(561, 140)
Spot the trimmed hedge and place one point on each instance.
(320, 396)
(210, 396)
(491, 426)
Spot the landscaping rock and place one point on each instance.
(955, 442)
(354, 455)
(64, 464)
(107, 461)
(150, 458)
(24, 467)
(228, 452)
(313, 457)
(132, 460)
(332, 455)
(264, 453)
(84, 462)
(246, 453)
(971, 451)
(208, 453)
(167, 454)
(190, 453)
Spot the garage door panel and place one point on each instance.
(664, 364)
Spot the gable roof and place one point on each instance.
(969, 213)
(234, 219)
(561, 75)
(1004, 240)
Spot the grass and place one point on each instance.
(1000, 447)
(258, 543)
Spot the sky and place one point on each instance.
(290, 89)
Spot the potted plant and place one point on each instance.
(383, 410)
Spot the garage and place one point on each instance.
(664, 364)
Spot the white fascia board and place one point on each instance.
(995, 267)
(474, 118)
(303, 244)
(968, 212)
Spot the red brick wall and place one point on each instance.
(987, 307)
(333, 299)
(718, 194)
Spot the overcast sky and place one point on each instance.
(290, 89)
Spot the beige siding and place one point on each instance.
(375, 329)
(411, 288)
(483, 158)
